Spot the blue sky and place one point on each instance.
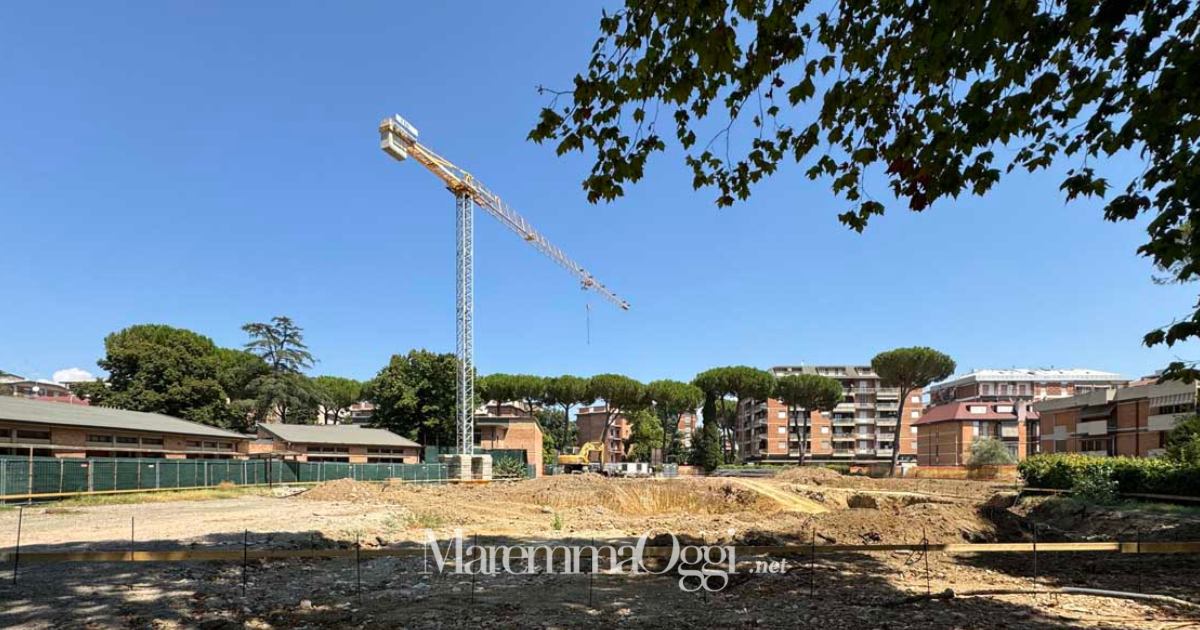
(208, 164)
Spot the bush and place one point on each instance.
(1066, 471)
(989, 452)
(1096, 485)
(508, 468)
(1183, 442)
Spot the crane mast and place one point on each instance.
(398, 139)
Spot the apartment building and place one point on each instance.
(1021, 384)
(1123, 421)
(589, 424)
(863, 428)
(686, 427)
(946, 432)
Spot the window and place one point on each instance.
(781, 414)
(783, 446)
(210, 445)
(5, 433)
(104, 439)
(26, 434)
(193, 444)
(977, 409)
(915, 399)
(782, 430)
(914, 414)
(825, 430)
(125, 439)
(987, 389)
(913, 429)
(152, 441)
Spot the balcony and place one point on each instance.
(865, 420)
(885, 437)
(844, 407)
(888, 392)
(868, 404)
(845, 437)
(883, 452)
(842, 422)
(864, 451)
(888, 406)
(886, 422)
(843, 452)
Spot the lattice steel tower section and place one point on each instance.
(399, 139)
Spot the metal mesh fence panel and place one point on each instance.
(25, 476)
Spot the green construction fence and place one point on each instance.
(21, 476)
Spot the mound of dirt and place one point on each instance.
(633, 497)
(347, 490)
(809, 474)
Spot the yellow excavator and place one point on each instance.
(581, 461)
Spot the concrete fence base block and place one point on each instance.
(467, 467)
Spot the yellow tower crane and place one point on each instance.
(398, 139)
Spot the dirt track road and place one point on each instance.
(790, 502)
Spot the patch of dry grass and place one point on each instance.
(164, 496)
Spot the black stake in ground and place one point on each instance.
(245, 558)
(1035, 563)
(358, 564)
(132, 538)
(592, 573)
(925, 552)
(812, 566)
(17, 552)
(1138, 560)
(475, 572)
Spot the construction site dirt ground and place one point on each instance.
(860, 590)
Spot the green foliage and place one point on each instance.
(990, 452)
(1183, 441)
(646, 435)
(671, 400)
(161, 369)
(1141, 475)
(283, 389)
(556, 523)
(414, 395)
(910, 369)
(280, 343)
(1096, 485)
(554, 429)
(940, 99)
(498, 387)
(509, 468)
(740, 382)
(707, 447)
(680, 450)
(619, 391)
(567, 391)
(336, 394)
(810, 392)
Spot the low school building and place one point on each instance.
(47, 429)
(344, 443)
